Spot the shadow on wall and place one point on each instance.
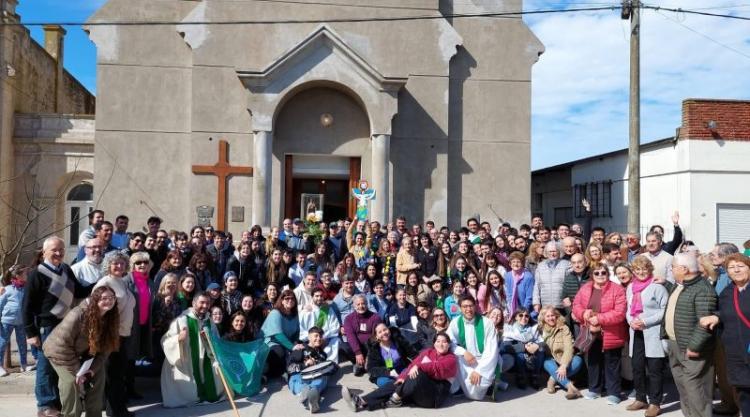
(460, 70)
(413, 157)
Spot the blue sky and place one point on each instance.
(580, 84)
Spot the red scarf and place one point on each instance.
(636, 306)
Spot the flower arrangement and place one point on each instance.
(313, 230)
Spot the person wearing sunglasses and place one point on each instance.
(522, 341)
(600, 306)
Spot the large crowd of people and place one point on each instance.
(422, 311)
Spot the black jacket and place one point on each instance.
(735, 335)
(425, 334)
(375, 363)
(38, 302)
(247, 274)
(428, 260)
(297, 358)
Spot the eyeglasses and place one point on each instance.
(600, 273)
(523, 316)
(140, 263)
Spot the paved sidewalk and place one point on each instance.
(17, 399)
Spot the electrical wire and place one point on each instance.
(510, 15)
(697, 12)
(703, 35)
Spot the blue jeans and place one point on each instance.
(5, 332)
(45, 389)
(551, 367)
(520, 363)
(383, 380)
(296, 383)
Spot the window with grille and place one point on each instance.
(599, 194)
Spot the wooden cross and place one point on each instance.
(223, 171)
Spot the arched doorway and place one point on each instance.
(322, 148)
(79, 202)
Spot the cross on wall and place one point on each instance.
(222, 170)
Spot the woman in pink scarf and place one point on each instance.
(647, 301)
(139, 349)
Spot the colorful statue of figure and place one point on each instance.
(363, 194)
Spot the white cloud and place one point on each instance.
(581, 83)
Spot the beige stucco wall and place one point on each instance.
(460, 137)
(28, 86)
(53, 154)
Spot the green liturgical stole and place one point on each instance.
(322, 317)
(478, 332)
(204, 381)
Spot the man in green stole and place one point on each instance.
(319, 314)
(475, 345)
(188, 375)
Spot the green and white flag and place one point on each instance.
(241, 363)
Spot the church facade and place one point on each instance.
(246, 112)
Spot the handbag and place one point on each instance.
(318, 370)
(584, 340)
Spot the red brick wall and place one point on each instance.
(732, 119)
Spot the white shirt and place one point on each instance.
(87, 272)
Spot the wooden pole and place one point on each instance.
(221, 373)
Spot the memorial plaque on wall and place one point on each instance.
(238, 214)
(205, 214)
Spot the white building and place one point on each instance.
(703, 172)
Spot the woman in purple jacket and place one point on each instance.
(519, 284)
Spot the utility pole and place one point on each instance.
(631, 9)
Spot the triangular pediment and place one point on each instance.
(303, 56)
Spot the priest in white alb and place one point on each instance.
(320, 314)
(188, 376)
(474, 343)
(303, 292)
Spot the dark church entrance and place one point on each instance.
(333, 186)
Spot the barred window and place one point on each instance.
(599, 194)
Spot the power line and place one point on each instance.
(710, 39)
(697, 12)
(513, 14)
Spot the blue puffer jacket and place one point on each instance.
(10, 305)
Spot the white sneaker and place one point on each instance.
(3, 372)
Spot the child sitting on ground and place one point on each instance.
(309, 389)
